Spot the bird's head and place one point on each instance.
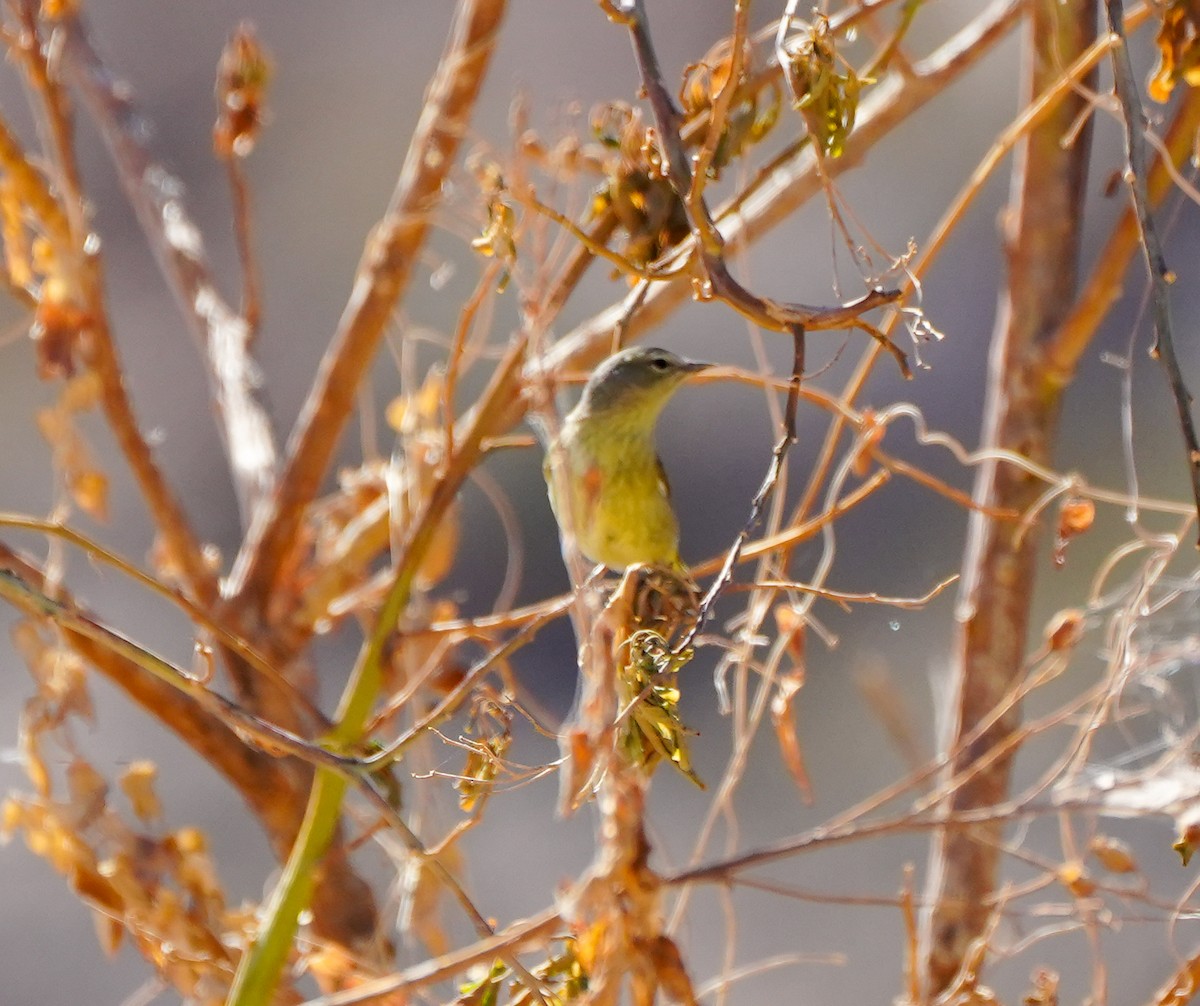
(635, 384)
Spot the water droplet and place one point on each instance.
(441, 276)
(894, 625)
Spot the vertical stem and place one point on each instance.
(1041, 232)
(1156, 264)
(383, 278)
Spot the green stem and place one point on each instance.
(261, 966)
(259, 971)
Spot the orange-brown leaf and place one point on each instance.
(109, 932)
(1113, 854)
(137, 783)
(89, 490)
(1178, 42)
(1064, 630)
(792, 628)
(1074, 878)
(57, 326)
(783, 718)
(88, 790)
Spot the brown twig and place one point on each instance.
(157, 199)
(778, 196)
(934, 484)
(1042, 239)
(1104, 284)
(719, 112)
(770, 481)
(779, 316)
(912, 944)
(454, 360)
(588, 242)
(383, 276)
(217, 735)
(537, 930)
(794, 535)
(825, 836)
(99, 349)
(239, 188)
(454, 699)
(1033, 114)
(1134, 118)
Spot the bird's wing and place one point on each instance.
(585, 493)
(663, 482)
(548, 475)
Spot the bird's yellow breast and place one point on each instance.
(620, 508)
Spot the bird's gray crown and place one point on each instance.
(634, 371)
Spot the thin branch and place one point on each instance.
(1134, 117)
(719, 112)
(1104, 284)
(86, 271)
(588, 241)
(536, 930)
(199, 615)
(1042, 240)
(453, 700)
(383, 276)
(789, 537)
(780, 316)
(779, 195)
(845, 599)
(239, 187)
(164, 692)
(726, 869)
(259, 970)
(156, 195)
(466, 320)
(770, 481)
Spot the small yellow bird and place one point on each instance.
(619, 503)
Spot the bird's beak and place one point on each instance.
(694, 366)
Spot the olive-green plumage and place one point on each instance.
(619, 501)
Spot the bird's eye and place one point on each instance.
(660, 363)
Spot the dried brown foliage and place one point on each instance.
(668, 186)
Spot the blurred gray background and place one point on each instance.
(346, 95)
